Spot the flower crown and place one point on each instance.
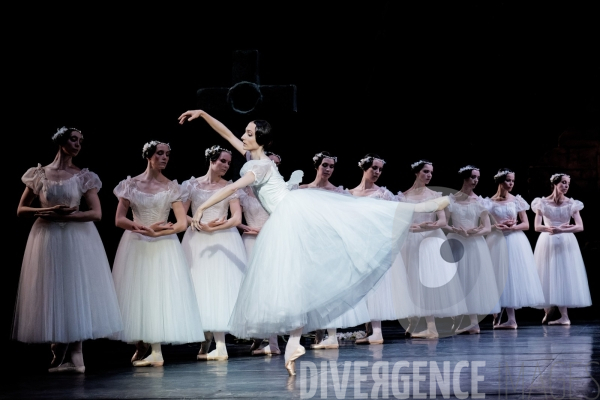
(62, 131)
(214, 150)
(413, 165)
(369, 159)
(321, 155)
(553, 177)
(468, 168)
(502, 173)
(150, 144)
(270, 153)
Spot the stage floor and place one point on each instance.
(533, 361)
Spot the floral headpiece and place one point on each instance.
(413, 165)
(321, 155)
(553, 177)
(270, 153)
(502, 173)
(369, 159)
(63, 131)
(468, 168)
(215, 150)
(150, 144)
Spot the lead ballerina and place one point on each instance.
(308, 231)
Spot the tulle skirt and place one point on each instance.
(66, 293)
(155, 291)
(561, 271)
(218, 263)
(317, 256)
(477, 277)
(390, 299)
(434, 285)
(521, 287)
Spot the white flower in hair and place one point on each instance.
(468, 167)
(369, 159)
(321, 155)
(413, 165)
(553, 177)
(502, 173)
(216, 149)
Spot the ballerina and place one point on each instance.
(468, 223)
(324, 164)
(216, 253)
(380, 301)
(152, 278)
(307, 232)
(434, 288)
(66, 294)
(557, 255)
(522, 287)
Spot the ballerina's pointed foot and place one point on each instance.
(212, 356)
(368, 340)
(329, 343)
(560, 321)
(290, 365)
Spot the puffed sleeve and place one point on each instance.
(400, 196)
(295, 179)
(576, 205)
(175, 191)
(89, 180)
(387, 195)
(124, 188)
(186, 189)
(487, 203)
(452, 200)
(33, 178)
(537, 205)
(521, 204)
(261, 170)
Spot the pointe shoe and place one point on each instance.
(467, 330)
(140, 353)
(425, 335)
(211, 357)
(368, 341)
(506, 325)
(255, 345)
(560, 322)
(67, 367)
(266, 351)
(146, 363)
(326, 344)
(290, 364)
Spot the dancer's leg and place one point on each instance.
(155, 359)
(58, 353)
(330, 343)
(511, 323)
(205, 346)
(375, 338)
(564, 318)
(473, 327)
(429, 333)
(412, 324)
(272, 348)
(220, 352)
(293, 350)
(75, 362)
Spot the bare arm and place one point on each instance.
(221, 195)
(121, 219)
(216, 125)
(24, 208)
(235, 220)
(538, 223)
(523, 225)
(186, 208)
(567, 228)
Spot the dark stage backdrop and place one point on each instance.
(495, 84)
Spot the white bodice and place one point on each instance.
(505, 210)
(427, 195)
(269, 186)
(465, 214)
(191, 190)
(556, 215)
(254, 213)
(67, 192)
(148, 208)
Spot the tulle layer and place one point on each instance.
(357, 315)
(476, 273)
(155, 291)
(66, 292)
(521, 287)
(433, 282)
(218, 263)
(381, 302)
(317, 256)
(561, 271)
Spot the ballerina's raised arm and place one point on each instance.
(216, 125)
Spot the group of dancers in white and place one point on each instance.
(311, 257)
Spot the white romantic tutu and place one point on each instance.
(66, 293)
(218, 263)
(477, 277)
(522, 285)
(155, 291)
(381, 300)
(434, 286)
(561, 271)
(499, 253)
(317, 256)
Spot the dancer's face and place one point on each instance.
(509, 182)
(160, 158)
(325, 170)
(73, 144)
(275, 159)
(473, 180)
(249, 138)
(221, 165)
(425, 174)
(374, 171)
(563, 185)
